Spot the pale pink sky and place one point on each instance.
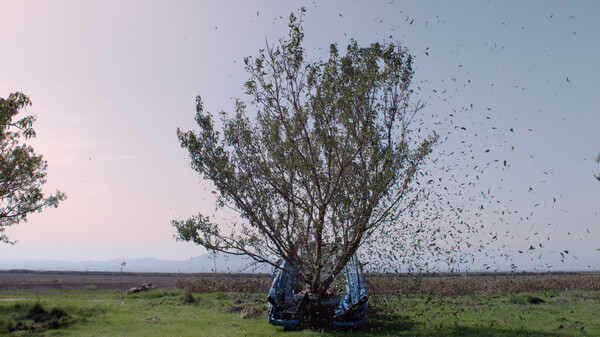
(110, 82)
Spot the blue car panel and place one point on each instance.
(291, 310)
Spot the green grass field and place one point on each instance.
(171, 313)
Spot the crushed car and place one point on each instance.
(294, 309)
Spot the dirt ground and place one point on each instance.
(29, 280)
(203, 282)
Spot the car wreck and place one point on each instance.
(293, 308)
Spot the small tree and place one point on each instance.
(326, 163)
(121, 267)
(22, 172)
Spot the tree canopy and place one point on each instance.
(320, 159)
(22, 171)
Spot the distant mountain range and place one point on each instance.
(200, 264)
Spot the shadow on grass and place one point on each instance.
(386, 322)
(470, 331)
(390, 324)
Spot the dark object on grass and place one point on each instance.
(188, 298)
(294, 310)
(38, 319)
(37, 313)
(143, 287)
(534, 300)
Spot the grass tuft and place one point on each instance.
(37, 319)
(251, 311)
(37, 313)
(188, 298)
(534, 300)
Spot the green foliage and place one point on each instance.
(323, 161)
(22, 172)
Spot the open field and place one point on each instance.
(426, 284)
(90, 307)
(57, 280)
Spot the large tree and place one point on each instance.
(321, 159)
(22, 171)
